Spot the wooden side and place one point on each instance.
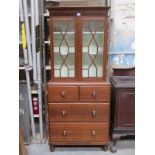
(51, 47)
(79, 132)
(66, 112)
(105, 55)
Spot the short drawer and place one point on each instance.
(79, 112)
(95, 93)
(63, 93)
(79, 132)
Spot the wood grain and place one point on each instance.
(82, 132)
(63, 94)
(101, 93)
(81, 112)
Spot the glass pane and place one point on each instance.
(64, 71)
(71, 73)
(92, 71)
(64, 49)
(86, 60)
(92, 50)
(57, 73)
(99, 60)
(85, 73)
(70, 61)
(99, 72)
(57, 61)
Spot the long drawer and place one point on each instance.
(79, 132)
(78, 112)
(95, 93)
(63, 93)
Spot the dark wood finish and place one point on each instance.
(52, 148)
(123, 71)
(63, 94)
(78, 108)
(84, 11)
(126, 108)
(95, 93)
(82, 132)
(122, 108)
(81, 112)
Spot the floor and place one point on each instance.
(124, 147)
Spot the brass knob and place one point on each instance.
(94, 94)
(63, 112)
(93, 113)
(93, 133)
(63, 93)
(65, 133)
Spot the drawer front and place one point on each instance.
(79, 111)
(95, 93)
(63, 93)
(79, 132)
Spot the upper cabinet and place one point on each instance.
(78, 43)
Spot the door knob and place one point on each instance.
(93, 113)
(65, 133)
(63, 112)
(94, 94)
(63, 93)
(93, 133)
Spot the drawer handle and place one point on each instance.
(65, 133)
(93, 113)
(94, 94)
(63, 93)
(63, 112)
(93, 133)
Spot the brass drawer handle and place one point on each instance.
(63, 112)
(93, 133)
(63, 93)
(94, 94)
(93, 113)
(65, 133)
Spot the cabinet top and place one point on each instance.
(77, 11)
(123, 81)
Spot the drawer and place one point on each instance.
(79, 132)
(79, 111)
(95, 93)
(63, 93)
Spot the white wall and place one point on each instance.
(122, 32)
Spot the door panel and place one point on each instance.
(63, 48)
(126, 108)
(92, 48)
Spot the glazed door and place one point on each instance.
(63, 48)
(94, 48)
(78, 48)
